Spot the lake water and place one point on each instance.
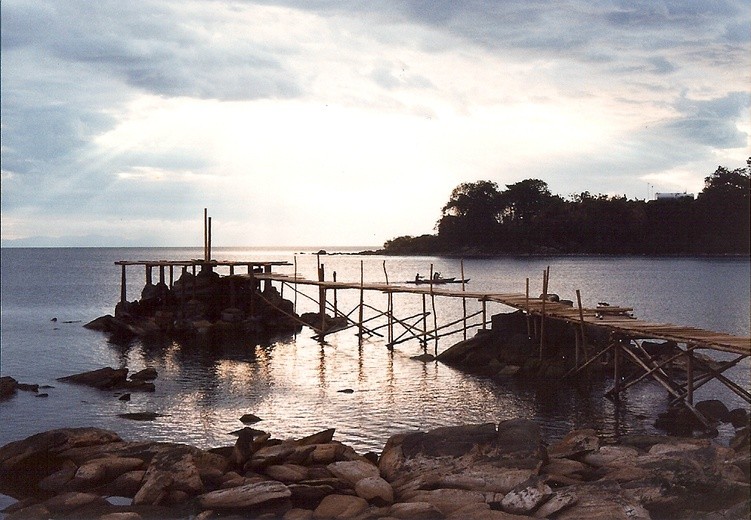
(294, 383)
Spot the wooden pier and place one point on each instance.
(626, 334)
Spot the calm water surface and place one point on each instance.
(294, 383)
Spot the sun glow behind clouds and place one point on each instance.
(325, 161)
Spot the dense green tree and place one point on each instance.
(527, 218)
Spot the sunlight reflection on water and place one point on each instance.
(294, 384)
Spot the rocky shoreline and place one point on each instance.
(485, 471)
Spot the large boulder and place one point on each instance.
(473, 457)
(26, 462)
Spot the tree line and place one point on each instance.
(526, 218)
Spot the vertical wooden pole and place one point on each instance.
(123, 287)
(208, 247)
(484, 314)
(336, 305)
(148, 275)
(424, 324)
(391, 319)
(542, 315)
(171, 275)
(526, 305)
(182, 292)
(251, 303)
(360, 308)
(322, 298)
(690, 376)
(581, 324)
(435, 317)
(464, 302)
(617, 369)
(295, 275)
(266, 283)
(205, 234)
(161, 274)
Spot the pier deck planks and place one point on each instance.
(613, 318)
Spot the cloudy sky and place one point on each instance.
(318, 122)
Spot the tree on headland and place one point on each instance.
(526, 217)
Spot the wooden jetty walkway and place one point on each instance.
(627, 336)
(626, 333)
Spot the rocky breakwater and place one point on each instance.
(205, 307)
(493, 472)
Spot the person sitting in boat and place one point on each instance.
(436, 276)
(417, 277)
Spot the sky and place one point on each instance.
(319, 122)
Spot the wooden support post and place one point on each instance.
(266, 283)
(148, 274)
(322, 297)
(526, 307)
(690, 376)
(231, 270)
(123, 287)
(542, 316)
(171, 275)
(435, 317)
(205, 234)
(464, 302)
(251, 303)
(336, 305)
(360, 307)
(424, 324)
(295, 275)
(182, 292)
(208, 244)
(391, 320)
(161, 274)
(617, 369)
(484, 314)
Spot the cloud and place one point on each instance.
(322, 120)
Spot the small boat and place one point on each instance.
(436, 280)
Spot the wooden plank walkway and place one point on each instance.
(609, 317)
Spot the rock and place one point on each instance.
(249, 495)
(287, 473)
(340, 507)
(96, 472)
(127, 484)
(566, 467)
(415, 511)
(575, 443)
(30, 460)
(154, 491)
(738, 417)
(740, 441)
(124, 397)
(600, 502)
(8, 387)
(310, 494)
(298, 514)
(346, 391)
(140, 416)
(270, 455)
(147, 374)
(121, 515)
(58, 480)
(447, 501)
(558, 501)
(106, 378)
(70, 501)
(375, 490)
(322, 437)
(714, 410)
(249, 418)
(525, 497)
(609, 456)
(424, 357)
(353, 471)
